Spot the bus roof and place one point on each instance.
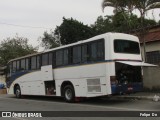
(76, 43)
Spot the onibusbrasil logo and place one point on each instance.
(21, 114)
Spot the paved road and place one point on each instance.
(30, 103)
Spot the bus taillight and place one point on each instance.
(113, 80)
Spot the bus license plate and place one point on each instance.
(130, 89)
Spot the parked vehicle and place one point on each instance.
(105, 64)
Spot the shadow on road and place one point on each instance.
(90, 101)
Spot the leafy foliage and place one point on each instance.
(72, 31)
(49, 40)
(102, 25)
(117, 23)
(119, 5)
(11, 48)
(69, 31)
(129, 5)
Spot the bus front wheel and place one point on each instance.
(18, 92)
(69, 94)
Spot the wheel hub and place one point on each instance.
(18, 93)
(68, 94)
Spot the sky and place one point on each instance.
(43, 15)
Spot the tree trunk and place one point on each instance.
(143, 36)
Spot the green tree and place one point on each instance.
(71, 31)
(102, 25)
(49, 40)
(120, 6)
(121, 26)
(146, 5)
(129, 5)
(11, 48)
(117, 23)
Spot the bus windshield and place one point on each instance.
(126, 46)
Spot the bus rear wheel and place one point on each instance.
(18, 92)
(69, 94)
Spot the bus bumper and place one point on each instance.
(126, 88)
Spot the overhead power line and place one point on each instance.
(24, 26)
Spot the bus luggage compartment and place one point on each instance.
(128, 79)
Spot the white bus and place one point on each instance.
(103, 65)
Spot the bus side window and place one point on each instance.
(77, 54)
(18, 65)
(38, 62)
(84, 53)
(9, 69)
(44, 59)
(93, 51)
(59, 57)
(70, 55)
(96, 50)
(65, 56)
(23, 64)
(100, 50)
(54, 60)
(27, 64)
(33, 63)
(50, 59)
(14, 67)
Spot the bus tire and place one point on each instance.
(18, 92)
(69, 93)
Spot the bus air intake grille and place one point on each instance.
(93, 85)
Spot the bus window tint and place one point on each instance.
(77, 54)
(45, 59)
(59, 57)
(14, 67)
(100, 50)
(93, 51)
(23, 64)
(9, 69)
(33, 63)
(65, 56)
(18, 66)
(50, 58)
(126, 46)
(27, 63)
(54, 59)
(38, 62)
(84, 53)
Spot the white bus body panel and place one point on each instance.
(78, 75)
(33, 83)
